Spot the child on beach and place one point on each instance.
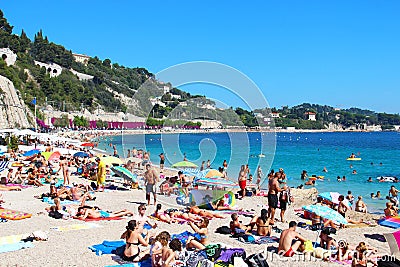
(159, 248)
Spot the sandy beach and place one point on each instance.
(70, 248)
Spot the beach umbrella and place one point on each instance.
(191, 172)
(88, 144)
(219, 182)
(133, 160)
(50, 156)
(111, 160)
(81, 154)
(31, 152)
(184, 164)
(211, 173)
(330, 196)
(394, 242)
(125, 173)
(326, 213)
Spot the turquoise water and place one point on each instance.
(293, 151)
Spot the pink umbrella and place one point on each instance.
(394, 242)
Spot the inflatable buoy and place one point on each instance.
(386, 179)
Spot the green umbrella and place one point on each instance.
(125, 173)
(184, 164)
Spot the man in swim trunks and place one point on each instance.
(162, 160)
(393, 192)
(273, 190)
(290, 241)
(150, 179)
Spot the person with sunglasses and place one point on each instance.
(141, 218)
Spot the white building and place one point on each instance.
(311, 116)
(275, 115)
(8, 56)
(84, 59)
(53, 69)
(155, 101)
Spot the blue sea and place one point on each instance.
(293, 152)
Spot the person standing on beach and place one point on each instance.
(242, 180)
(273, 190)
(101, 174)
(202, 165)
(394, 194)
(225, 166)
(259, 176)
(64, 168)
(150, 180)
(129, 153)
(162, 160)
(208, 164)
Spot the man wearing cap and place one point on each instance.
(101, 174)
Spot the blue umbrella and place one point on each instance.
(326, 213)
(81, 155)
(31, 152)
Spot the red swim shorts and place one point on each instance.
(242, 184)
(289, 253)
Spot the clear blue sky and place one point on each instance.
(340, 53)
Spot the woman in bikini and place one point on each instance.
(201, 229)
(65, 169)
(196, 210)
(162, 216)
(133, 239)
(175, 215)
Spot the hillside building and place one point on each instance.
(84, 59)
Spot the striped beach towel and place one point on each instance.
(3, 165)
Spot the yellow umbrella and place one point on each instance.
(111, 160)
(46, 155)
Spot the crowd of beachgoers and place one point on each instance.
(135, 202)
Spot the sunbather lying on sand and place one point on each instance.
(84, 213)
(196, 210)
(9, 188)
(222, 206)
(162, 216)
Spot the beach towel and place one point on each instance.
(13, 214)
(183, 237)
(260, 240)
(50, 201)
(73, 227)
(15, 246)
(3, 165)
(343, 262)
(11, 239)
(100, 219)
(107, 247)
(145, 263)
(20, 185)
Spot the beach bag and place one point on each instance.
(213, 251)
(388, 261)
(257, 260)
(225, 230)
(228, 255)
(193, 259)
(205, 263)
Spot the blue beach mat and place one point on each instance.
(145, 263)
(15, 246)
(107, 247)
(50, 201)
(183, 237)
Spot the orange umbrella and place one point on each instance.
(213, 174)
(54, 156)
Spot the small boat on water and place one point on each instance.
(355, 159)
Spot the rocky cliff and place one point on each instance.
(13, 112)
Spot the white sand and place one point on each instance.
(71, 248)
